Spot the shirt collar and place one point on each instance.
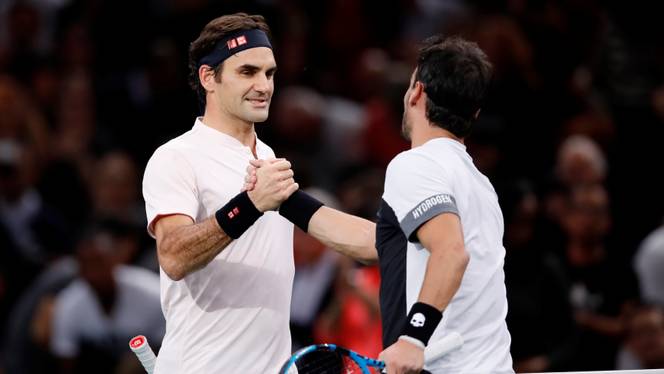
(452, 142)
(220, 137)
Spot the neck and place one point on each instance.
(241, 130)
(422, 134)
(106, 298)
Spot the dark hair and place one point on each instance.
(213, 32)
(456, 75)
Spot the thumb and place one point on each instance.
(257, 163)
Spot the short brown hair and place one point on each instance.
(456, 75)
(214, 31)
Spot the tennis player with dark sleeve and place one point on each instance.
(439, 231)
(225, 256)
(440, 227)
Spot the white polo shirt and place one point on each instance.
(440, 177)
(232, 315)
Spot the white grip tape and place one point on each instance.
(139, 345)
(441, 347)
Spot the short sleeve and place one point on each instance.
(64, 339)
(418, 189)
(169, 187)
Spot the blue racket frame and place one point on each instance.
(362, 361)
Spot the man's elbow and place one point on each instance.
(172, 270)
(169, 263)
(174, 273)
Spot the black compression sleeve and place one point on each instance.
(299, 208)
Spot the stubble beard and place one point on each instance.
(405, 127)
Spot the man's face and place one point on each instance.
(96, 259)
(406, 122)
(247, 84)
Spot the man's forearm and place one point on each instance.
(349, 235)
(188, 248)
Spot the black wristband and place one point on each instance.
(237, 215)
(422, 322)
(299, 208)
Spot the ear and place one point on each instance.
(416, 94)
(206, 77)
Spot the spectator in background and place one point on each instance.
(580, 161)
(601, 287)
(115, 188)
(95, 316)
(315, 270)
(25, 224)
(644, 341)
(21, 121)
(536, 288)
(29, 324)
(298, 120)
(76, 126)
(649, 267)
(352, 318)
(381, 99)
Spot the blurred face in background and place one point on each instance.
(587, 217)
(97, 259)
(245, 86)
(115, 186)
(520, 230)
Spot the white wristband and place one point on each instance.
(412, 340)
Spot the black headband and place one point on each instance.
(234, 43)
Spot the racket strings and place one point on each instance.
(327, 362)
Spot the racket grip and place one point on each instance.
(140, 346)
(442, 347)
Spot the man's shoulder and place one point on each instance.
(73, 298)
(412, 159)
(174, 151)
(179, 143)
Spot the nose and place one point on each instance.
(262, 83)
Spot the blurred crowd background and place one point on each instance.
(571, 136)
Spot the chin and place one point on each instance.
(258, 119)
(257, 116)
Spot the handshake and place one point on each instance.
(269, 183)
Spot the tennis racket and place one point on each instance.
(139, 345)
(332, 359)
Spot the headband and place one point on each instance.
(234, 43)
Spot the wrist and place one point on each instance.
(237, 215)
(413, 341)
(255, 201)
(422, 322)
(299, 208)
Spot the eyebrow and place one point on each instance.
(254, 68)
